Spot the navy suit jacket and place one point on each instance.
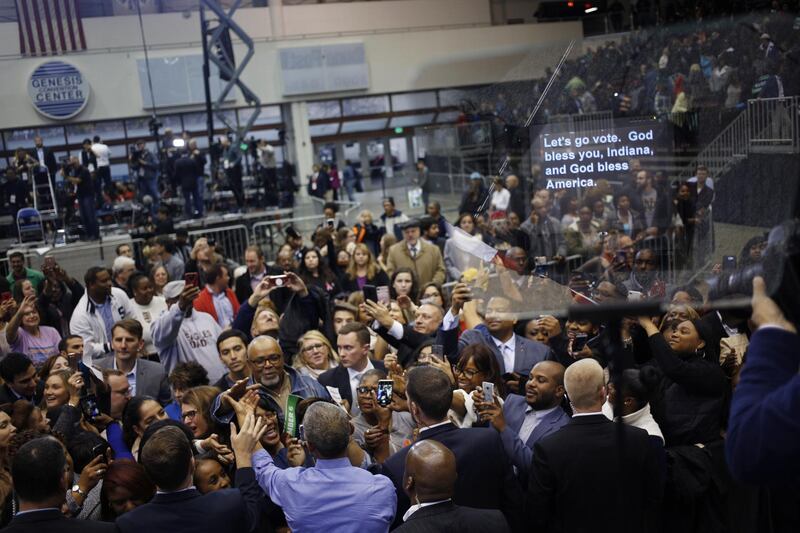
(582, 480)
(521, 453)
(526, 352)
(52, 521)
(449, 517)
(765, 405)
(339, 378)
(485, 476)
(228, 510)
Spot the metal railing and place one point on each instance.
(773, 124)
(232, 241)
(768, 125)
(727, 149)
(470, 136)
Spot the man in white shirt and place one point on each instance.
(353, 347)
(515, 354)
(103, 173)
(145, 378)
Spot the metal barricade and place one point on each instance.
(231, 240)
(271, 234)
(664, 248)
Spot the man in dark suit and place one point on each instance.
(353, 347)
(430, 479)
(525, 420)
(402, 336)
(515, 354)
(40, 483)
(257, 269)
(593, 475)
(20, 379)
(178, 506)
(486, 479)
(45, 157)
(146, 378)
(518, 201)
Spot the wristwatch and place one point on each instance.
(73, 506)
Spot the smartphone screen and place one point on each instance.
(488, 391)
(729, 262)
(278, 281)
(383, 295)
(579, 342)
(370, 293)
(192, 279)
(384, 392)
(437, 352)
(89, 406)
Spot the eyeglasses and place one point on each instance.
(313, 347)
(366, 390)
(468, 372)
(273, 360)
(189, 415)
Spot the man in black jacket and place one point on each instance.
(353, 347)
(80, 177)
(430, 479)
(178, 506)
(20, 379)
(593, 475)
(40, 483)
(186, 173)
(485, 476)
(45, 157)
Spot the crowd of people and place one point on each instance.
(694, 76)
(346, 385)
(84, 194)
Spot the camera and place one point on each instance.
(779, 266)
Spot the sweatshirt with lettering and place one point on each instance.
(180, 339)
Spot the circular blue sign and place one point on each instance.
(58, 90)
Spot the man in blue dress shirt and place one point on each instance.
(333, 495)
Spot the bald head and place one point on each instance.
(585, 386)
(430, 473)
(263, 342)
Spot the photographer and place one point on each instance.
(764, 431)
(144, 166)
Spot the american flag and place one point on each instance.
(49, 27)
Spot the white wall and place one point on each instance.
(399, 61)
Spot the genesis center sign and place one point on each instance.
(58, 90)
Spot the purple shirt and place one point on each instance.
(331, 496)
(38, 349)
